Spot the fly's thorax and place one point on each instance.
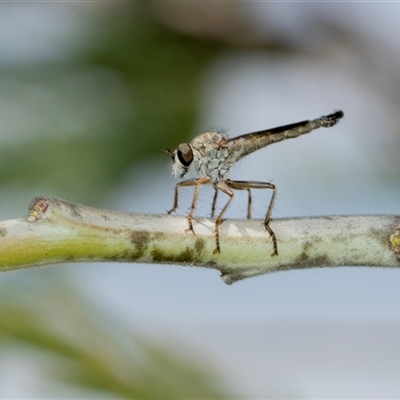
(210, 139)
(211, 155)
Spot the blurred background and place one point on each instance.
(90, 95)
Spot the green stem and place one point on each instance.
(56, 231)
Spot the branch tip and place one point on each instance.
(395, 243)
(37, 208)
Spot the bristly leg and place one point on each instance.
(198, 183)
(224, 188)
(189, 182)
(214, 203)
(247, 185)
(249, 205)
(274, 240)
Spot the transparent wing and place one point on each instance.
(243, 145)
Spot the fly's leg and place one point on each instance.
(224, 188)
(249, 205)
(214, 203)
(198, 183)
(248, 185)
(189, 182)
(268, 218)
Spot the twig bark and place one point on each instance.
(56, 231)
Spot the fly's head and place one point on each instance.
(182, 159)
(205, 156)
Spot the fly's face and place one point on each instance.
(182, 159)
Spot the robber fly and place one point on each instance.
(210, 155)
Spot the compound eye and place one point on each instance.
(185, 154)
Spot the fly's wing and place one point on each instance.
(243, 145)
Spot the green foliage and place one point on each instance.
(86, 349)
(129, 94)
(127, 88)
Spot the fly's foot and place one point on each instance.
(217, 250)
(274, 240)
(190, 229)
